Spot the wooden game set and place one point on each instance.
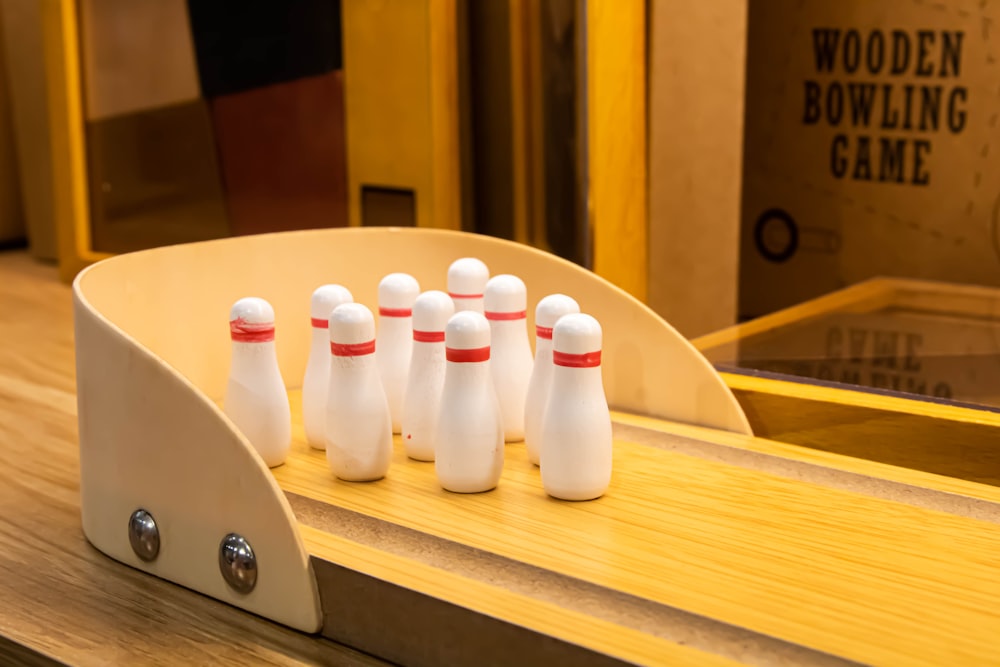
(719, 541)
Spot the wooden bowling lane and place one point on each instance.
(682, 549)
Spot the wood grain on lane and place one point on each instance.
(851, 575)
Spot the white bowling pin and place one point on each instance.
(468, 452)
(256, 399)
(506, 301)
(396, 294)
(317, 378)
(576, 426)
(547, 313)
(358, 426)
(422, 398)
(466, 281)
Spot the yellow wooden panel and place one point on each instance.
(401, 104)
(444, 166)
(616, 132)
(62, 69)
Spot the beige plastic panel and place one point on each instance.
(150, 439)
(152, 341)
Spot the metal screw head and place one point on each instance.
(238, 563)
(143, 535)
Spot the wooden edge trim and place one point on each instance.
(443, 618)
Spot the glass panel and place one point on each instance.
(202, 122)
(939, 343)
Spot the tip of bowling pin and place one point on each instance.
(576, 333)
(551, 308)
(352, 323)
(398, 290)
(431, 311)
(252, 310)
(327, 297)
(467, 330)
(505, 294)
(467, 275)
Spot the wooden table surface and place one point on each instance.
(61, 600)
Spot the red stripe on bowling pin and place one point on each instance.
(428, 336)
(352, 349)
(395, 312)
(242, 331)
(513, 315)
(467, 356)
(585, 360)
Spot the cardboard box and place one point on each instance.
(872, 147)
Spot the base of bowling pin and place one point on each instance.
(576, 485)
(468, 488)
(369, 465)
(273, 463)
(359, 478)
(577, 495)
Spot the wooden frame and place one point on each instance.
(616, 132)
(62, 67)
(401, 106)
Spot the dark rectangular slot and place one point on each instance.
(388, 207)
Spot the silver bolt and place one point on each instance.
(143, 535)
(237, 563)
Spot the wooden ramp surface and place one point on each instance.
(687, 555)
